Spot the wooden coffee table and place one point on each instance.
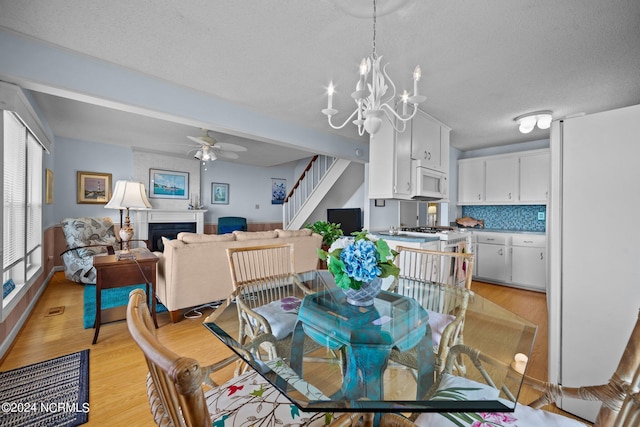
(114, 273)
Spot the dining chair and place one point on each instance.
(611, 395)
(267, 293)
(441, 283)
(629, 415)
(177, 396)
(447, 268)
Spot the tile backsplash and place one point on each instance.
(511, 217)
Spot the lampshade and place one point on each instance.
(129, 195)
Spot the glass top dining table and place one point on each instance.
(339, 357)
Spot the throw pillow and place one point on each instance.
(293, 233)
(255, 235)
(203, 238)
(281, 315)
(437, 322)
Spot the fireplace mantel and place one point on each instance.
(144, 218)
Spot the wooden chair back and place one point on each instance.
(174, 383)
(260, 263)
(447, 268)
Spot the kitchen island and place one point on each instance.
(403, 239)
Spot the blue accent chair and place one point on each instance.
(227, 224)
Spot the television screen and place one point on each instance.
(350, 219)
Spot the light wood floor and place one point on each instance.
(117, 391)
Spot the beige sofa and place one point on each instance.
(193, 268)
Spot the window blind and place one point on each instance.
(14, 190)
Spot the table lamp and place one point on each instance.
(128, 195)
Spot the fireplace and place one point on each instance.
(170, 230)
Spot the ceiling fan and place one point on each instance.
(210, 149)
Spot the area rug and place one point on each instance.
(113, 297)
(50, 393)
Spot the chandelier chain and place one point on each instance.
(374, 29)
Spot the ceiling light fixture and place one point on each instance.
(371, 104)
(206, 154)
(528, 121)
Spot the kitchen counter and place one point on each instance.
(403, 237)
(496, 230)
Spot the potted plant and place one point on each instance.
(329, 231)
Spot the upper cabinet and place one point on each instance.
(506, 179)
(534, 177)
(471, 180)
(501, 179)
(397, 159)
(429, 142)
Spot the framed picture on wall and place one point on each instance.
(278, 190)
(48, 187)
(164, 184)
(219, 193)
(93, 187)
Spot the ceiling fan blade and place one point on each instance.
(226, 154)
(203, 140)
(227, 146)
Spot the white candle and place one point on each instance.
(417, 73)
(330, 92)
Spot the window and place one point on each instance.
(22, 208)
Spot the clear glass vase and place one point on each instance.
(365, 295)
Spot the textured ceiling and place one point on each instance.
(483, 63)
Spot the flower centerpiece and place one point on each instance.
(359, 264)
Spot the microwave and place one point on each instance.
(430, 185)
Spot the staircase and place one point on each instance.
(314, 183)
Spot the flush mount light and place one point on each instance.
(528, 121)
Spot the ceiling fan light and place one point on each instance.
(198, 155)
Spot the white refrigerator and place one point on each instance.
(594, 247)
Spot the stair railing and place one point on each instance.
(304, 186)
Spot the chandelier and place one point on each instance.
(370, 96)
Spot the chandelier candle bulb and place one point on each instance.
(417, 74)
(330, 92)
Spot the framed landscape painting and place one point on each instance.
(93, 187)
(164, 184)
(219, 193)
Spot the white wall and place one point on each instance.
(144, 161)
(249, 190)
(248, 185)
(72, 156)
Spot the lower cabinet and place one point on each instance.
(493, 256)
(513, 259)
(529, 262)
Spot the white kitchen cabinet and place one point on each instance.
(534, 177)
(493, 257)
(506, 179)
(391, 171)
(429, 142)
(471, 181)
(529, 261)
(501, 175)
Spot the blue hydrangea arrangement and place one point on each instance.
(359, 259)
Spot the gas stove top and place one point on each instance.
(424, 229)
